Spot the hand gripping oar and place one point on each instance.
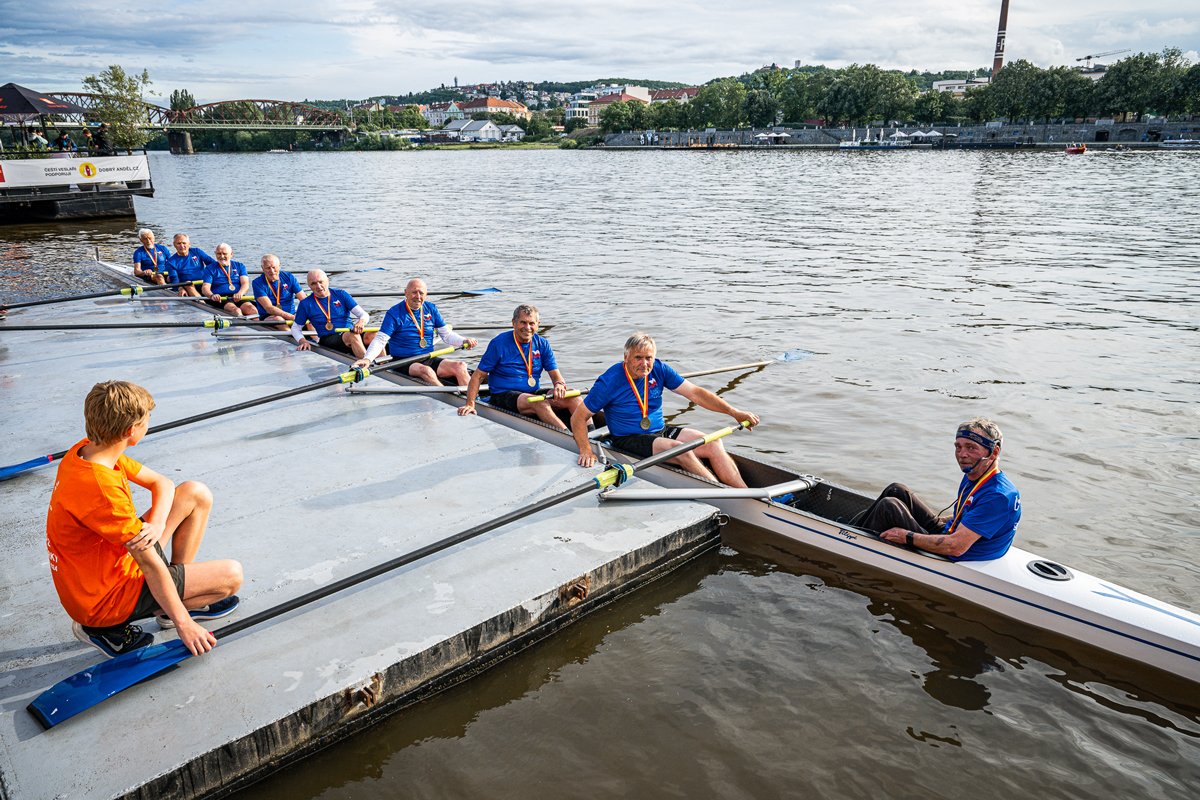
(537, 398)
(352, 376)
(129, 291)
(96, 684)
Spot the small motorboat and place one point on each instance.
(1075, 149)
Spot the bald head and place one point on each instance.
(318, 281)
(415, 292)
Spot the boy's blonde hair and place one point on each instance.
(113, 407)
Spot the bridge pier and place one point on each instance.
(180, 143)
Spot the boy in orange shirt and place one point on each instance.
(107, 563)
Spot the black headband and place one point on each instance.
(978, 438)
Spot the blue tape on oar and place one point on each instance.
(796, 355)
(17, 469)
(85, 689)
(488, 290)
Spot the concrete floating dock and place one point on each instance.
(308, 490)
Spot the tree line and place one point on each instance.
(1147, 83)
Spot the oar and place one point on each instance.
(215, 322)
(537, 398)
(95, 684)
(128, 291)
(346, 377)
(471, 292)
(495, 327)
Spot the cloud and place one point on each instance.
(357, 48)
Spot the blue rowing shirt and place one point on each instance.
(992, 512)
(153, 263)
(222, 282)
(612, 395)
(505, 363)
(339, 303)
(189, 267)
(287, 286)
(404, 334)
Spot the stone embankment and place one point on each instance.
(1054, 134)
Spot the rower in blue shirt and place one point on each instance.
(276, 292)
(630, 395)
(408, 329)
(984, 516)
(187, 263)
(513, 364)
(329, 309)
(150, 260)
(226, 283)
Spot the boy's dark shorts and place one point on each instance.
(146, 604)
(642, 444)
(333, 341)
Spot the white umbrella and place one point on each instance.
(762, 136)
(899, 135)
(781, 135)
(932, 133)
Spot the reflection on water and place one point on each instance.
(1058, 295)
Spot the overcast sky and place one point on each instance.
(297, 49)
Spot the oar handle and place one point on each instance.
(537, 398)
(610, 476)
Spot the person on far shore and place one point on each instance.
(150, 260)
(101, 142)
(108, 564)
(984, 516)
(512, 365)
(37, 141)
(276, 292)
(329, 309)
(630, 395)
(63, 143)
(187, 263)
(408, 329)
(227, 284)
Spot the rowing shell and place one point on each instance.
(1020, 585)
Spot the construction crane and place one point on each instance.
(1088, 59)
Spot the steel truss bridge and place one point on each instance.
(228, 115)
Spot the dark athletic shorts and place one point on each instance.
(432, 363)
(505, 400)
(208, 301)
(334, 342)
(642, 444)
(146, 604)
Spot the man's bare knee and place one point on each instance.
(195, 491)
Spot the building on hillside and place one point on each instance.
(453, 128)
(472, 130)
(960, 87)
(577, 106)
(604, 101)
(438, 114)
(682, 96)
(640, 92)
(494, 105)
(369, 105)
(511, 133)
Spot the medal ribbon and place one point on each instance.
(528, 364)
(420, 326)
(228, 277)
(960, 505)
(277, 290)
(643, 399)
(328, 307)
(153, 251)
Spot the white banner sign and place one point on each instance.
(17, 174)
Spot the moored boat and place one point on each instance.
(1020, 586)
(1075, 149)
(1180, 144)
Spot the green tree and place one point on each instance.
(1131, 86)
(411, 117)
(121, 105)
(1173, 89)
(667, 116)
(894, 96)
(616, 117)
(181, 99)
(537, 127)
(930, 107)
(720, 104)
(1012, 88)
(760, 108)
(798, 96)
(1078, 94)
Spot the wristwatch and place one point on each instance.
(908, 538)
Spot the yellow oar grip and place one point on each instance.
(445, 351)
(537, 398)
(609, 476)
(365, 330)
(712, 437)
(130, 291)
(218, 323)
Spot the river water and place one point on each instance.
(908, 291)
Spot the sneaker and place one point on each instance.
(785, 499)
(216, 610)
(114, 644)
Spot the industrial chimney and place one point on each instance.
(998, 62)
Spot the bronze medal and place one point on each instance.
(645, 423)
(422, 343)
(532, 383)
(328, 326)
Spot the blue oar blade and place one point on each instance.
(101, 681)
(370, 269)
(488, 290)
(17, 469)
(795, 355)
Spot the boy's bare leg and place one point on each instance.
(208, 581)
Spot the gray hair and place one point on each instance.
(145, 232)
(984, 426)
(184, 235)
(317, 273)
(272, 257)
(525, 308)
(638, 341)
(225, 245)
